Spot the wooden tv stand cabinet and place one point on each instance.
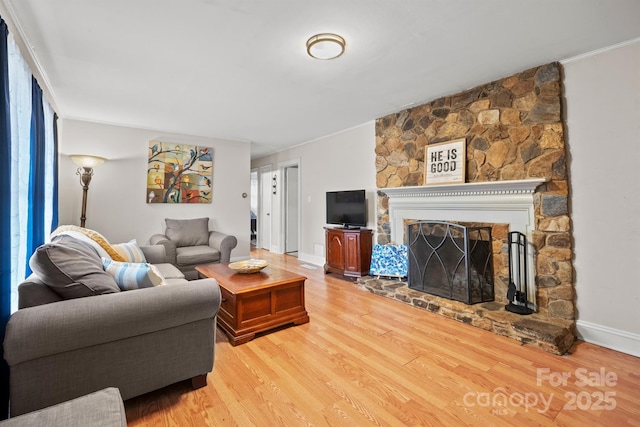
(348, 251)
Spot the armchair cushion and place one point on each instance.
(188, 232)
(72, 269)
(191, 255)
(132, 275)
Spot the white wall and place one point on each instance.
(603, 124)
(343, 161)
(116, 205)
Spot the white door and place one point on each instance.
(264, 208)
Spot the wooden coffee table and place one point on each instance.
(257, 302)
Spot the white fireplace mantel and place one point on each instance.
(514, 187)
(502, 202)
(506, 202)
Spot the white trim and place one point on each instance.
(519, 186)
(311, 259)
(599, 51)
(264, 199)
(281, 169)
(615, 339)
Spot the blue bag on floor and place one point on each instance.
(389, 260)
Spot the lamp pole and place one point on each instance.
(85, 178)
(86, 165)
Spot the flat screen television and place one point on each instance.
(347, 208)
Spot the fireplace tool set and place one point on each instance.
(517, 292)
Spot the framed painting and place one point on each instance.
(179, 173)
(445, 162)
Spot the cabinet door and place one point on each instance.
(352, 252)
(335, 249)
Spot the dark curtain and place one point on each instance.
(5, 211)
(35, 221)
(54, 219)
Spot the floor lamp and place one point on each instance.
(85, 171)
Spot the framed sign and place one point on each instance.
(445, 162)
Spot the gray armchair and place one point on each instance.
(189, 242)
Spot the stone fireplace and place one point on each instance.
(515, 176)
(504, 202)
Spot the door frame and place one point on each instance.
(283, 203)
(263, 238)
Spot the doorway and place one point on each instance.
(253, 239)
(263, 234)
(291, 209)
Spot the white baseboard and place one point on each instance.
(615, 339)
(276, 250)
(311, 259)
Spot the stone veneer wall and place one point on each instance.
(514, 130)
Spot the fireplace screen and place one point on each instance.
(451, 261)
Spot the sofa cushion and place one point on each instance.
(169, 271)
(130, 252)
(188, 232)
(191, 255)
(72, 269)
(132, 275)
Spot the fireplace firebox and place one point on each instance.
(450, 260)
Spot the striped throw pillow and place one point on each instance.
(130, 252)
(130, 275)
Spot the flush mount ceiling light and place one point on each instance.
(325, 46)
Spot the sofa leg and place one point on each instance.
(199, 381)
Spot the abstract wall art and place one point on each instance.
(179, 173)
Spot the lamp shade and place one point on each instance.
(325, 46)
(86, 161)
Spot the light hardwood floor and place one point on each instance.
(365, 360)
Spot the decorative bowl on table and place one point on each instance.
(248, 266)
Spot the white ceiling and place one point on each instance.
(238, 69)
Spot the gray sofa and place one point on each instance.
(189, 242)
(138, 340)
(102, 408)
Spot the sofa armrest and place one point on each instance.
(34, 292)
(169, 247)
(224, 243)
(69, 325)
(155, 254)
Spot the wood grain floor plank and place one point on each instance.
(366, 360)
